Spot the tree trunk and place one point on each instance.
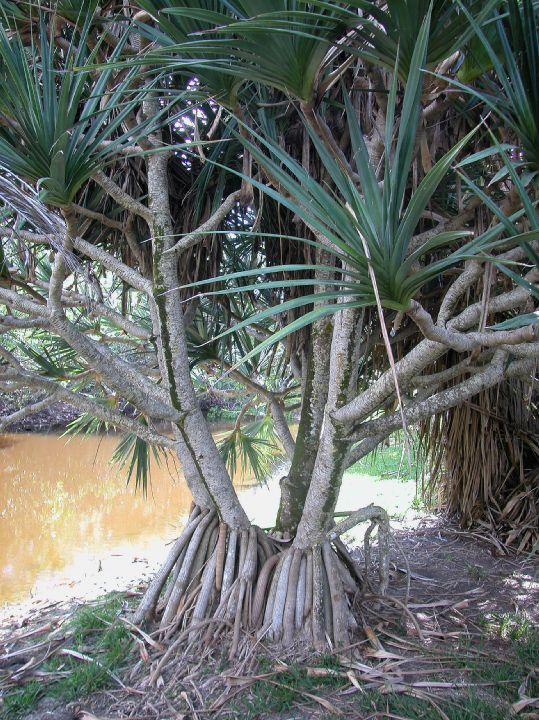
(330, 463)
(313, 585)
(212, 567)
(295, 485)
(195, 434)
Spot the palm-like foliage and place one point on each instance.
(52, 357)
(72, 10)
(173, 31)
(60, 127)
(529, 207)
(512, 93)
(281, 43)
(389, 29)
(370, 230)
(251, 450)
(135, 455)
(291, 45)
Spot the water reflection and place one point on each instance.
(66, 513)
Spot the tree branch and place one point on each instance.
(123, 271)
(454, 223)
(25, 411)
(83, 403)
(8, 323)
(211, 224)
(98, 309)
(121, 197)
(18, 302)
(465, 342)
(422, 355)
(281, 428)
(116, 266)
(493, 373)
(103, 219)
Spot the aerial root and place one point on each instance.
(377, 517)
(307, 598)
(209, 582)
(217, 579)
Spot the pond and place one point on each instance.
(69, 524)
(70, 527)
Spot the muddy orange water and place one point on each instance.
(69, 525)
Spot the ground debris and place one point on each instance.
(472, 618)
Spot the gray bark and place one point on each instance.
(331, 456)
(194, 430)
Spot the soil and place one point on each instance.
(55, 418)
(454, 584)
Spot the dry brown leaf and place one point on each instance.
(351, 676)
(15, 638)
(372, 638)
(383, 655)
(153, 643)
(317, 698)
(324, 672)
(324, 703)
(437, 604)
(525, 702)
(143, 652)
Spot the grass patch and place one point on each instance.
(510, 642)
(517, 655)
(395, 483)
(94, 631)
(21, 701)
(391, 461)
(286, 689)
(467, 706)
(497, 675)
(290, 690)
(98, 634)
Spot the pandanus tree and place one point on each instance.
(292, 194)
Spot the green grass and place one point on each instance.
(95, 632)
(497, 677)
(510, 640)
(520, 643)
(285, 690)
(109, 640)
(391, 461)
(393, 479)
(289, 690)
(468, 706)
(21, 701)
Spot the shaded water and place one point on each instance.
(68, 519)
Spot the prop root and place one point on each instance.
(224, 579)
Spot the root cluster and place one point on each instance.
(218, 580)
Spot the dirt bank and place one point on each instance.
(54, 418)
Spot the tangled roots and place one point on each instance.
(310, 596)
(207, 581)
(218, 579)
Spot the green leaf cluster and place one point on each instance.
(61, 123)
